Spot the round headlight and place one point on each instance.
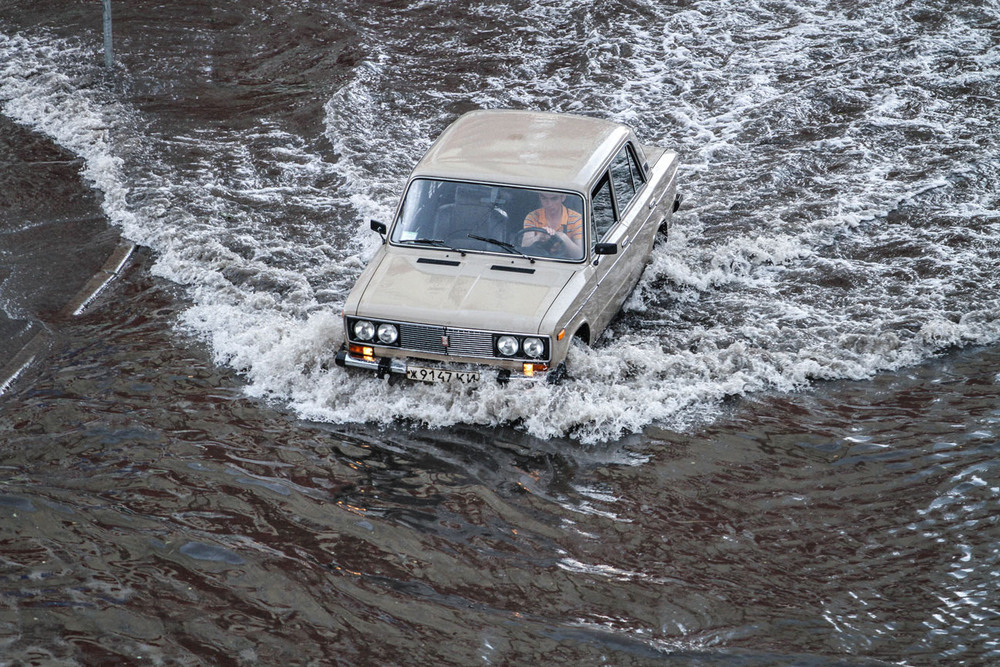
(533, 347)
(507, 345)
(387, 333)
(364, 330)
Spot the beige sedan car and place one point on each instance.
(518, 232)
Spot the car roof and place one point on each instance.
(531, 148)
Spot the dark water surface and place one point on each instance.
(785, 452)
(150, 513)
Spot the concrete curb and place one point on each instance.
(41, 340)
(112, 267)
(21, 360)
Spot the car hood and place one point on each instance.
(480, 292)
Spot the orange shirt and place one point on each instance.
(571, 223)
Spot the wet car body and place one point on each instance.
(466, 283)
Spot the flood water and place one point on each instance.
(785, 450)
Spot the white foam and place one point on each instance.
(803, 131)
(838, 189)
(36, 93)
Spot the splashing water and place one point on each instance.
(839, 173)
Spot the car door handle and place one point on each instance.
(625, 241)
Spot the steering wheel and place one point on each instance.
(548, 245)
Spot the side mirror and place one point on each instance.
(606, 249)
(378, 227)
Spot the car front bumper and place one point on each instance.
(388, 366)
(382, 366)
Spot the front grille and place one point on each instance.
(470, 343)
(461, 342)
(422, 338)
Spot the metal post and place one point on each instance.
(108, 59)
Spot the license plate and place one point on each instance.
(422, 374)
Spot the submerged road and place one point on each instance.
(788, 452)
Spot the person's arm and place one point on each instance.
(531, 238)
(573, 248)
(572, 238)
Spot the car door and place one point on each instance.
(615, 219)
(629, 181)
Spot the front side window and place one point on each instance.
(604, 217)
(626, 176)
(491, 218)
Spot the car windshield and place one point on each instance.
(491, 218)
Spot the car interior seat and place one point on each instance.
(475, 211)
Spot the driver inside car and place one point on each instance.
(553, 230)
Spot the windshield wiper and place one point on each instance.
(435, 242)
(509, 247)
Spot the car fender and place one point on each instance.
(363, 282)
